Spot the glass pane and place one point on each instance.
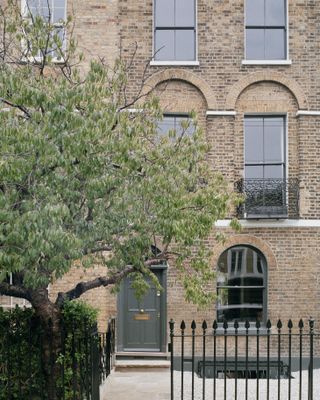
(255, 12)
(273, 171)
(32, 7)
(248, 296)
(223, 263)
(185, 45)
(255, 44)
(243, 314)
(252, 172)
(164, 45)
(59, 3)
(273, 140)
(275, 12)
(166, 125)
(164, 13)
(253, 140)
(275, 44)
(185, 13)
(249, 261)
(58, 14)
(181, 126)
(58, 47)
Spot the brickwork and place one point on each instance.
(101, 299)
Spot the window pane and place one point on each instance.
(253, 140)
(185, 45)
(275, 12)
(59, 3)
(255, 12)
(275, 44)
(166, 125)
(56, 52)
(252, 172)
(255, 44)
(58, 14)
(273, 171)
(249, 261)
(180, 126)
(185, 13)
(273, 140)
(164, 45)
(164, 13)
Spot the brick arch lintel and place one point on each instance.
(245, 240)
(186, 76)
(266, 76)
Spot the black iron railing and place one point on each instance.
(268, 198)
(249, 361)
(86, 359)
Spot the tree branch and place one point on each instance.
(21, 108)
(83, 287)
(104, 281)
(15, 291)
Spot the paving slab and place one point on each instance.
(137, 386)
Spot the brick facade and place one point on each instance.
(222, 82)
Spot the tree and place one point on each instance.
(83, 179)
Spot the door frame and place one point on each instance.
(162, 268)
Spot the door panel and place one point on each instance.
(141, 318)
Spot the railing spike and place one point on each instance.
(204, 325)
(247, 324)
(193, 325)
(171, 326)
(236, 324)
(269, 324)
(215, 325)
(183, 325)
(290, 324)
(311, 324)
(225, 324)
(258, 324)
(301, 325)
(279, 324)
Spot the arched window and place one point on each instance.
(242, 285)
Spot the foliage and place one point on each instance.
(20, 350)
(20, 364)
(80, 174)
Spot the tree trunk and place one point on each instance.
(50, 317)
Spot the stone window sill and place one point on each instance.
(266, 62)
(175, 63)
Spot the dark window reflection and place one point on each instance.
(241, 285)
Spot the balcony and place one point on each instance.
(268, 198)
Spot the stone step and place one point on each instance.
(128, 355)
(141, 365)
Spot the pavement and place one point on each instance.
(135, 385)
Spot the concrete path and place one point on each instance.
(137, 386)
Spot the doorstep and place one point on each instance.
(141, 365)
(142, 355)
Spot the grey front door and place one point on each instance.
(142, 318)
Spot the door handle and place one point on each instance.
(142, 310)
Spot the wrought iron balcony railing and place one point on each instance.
(269, 198)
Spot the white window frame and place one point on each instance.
(191, 63)
(38, 59)
(285, 61)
